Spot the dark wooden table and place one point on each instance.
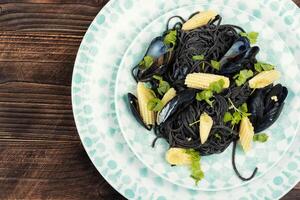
(41, 156)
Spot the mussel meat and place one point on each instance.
(178, 103)
(266, 105)
(133, 105)
(232, 61)
(161, 55)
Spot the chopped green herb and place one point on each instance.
(154, 104)
(217, 86)
(243, 108)
(163, 86)
(242, 77)
(227, 117)
(198, 57)
(148, 85)
(217, 135)
(260, 66)
(195, 167)
(146, 62)
(236, 117)
(261, 137)
(215, 64)
(203, 65)
(252, 36)
(205, 95)
(170, 38)
(193, 123)
(157, 77)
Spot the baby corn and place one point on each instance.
(206, 123)
(144, 95)
(246, 133)
(203, 80)
(200, 19)
(178, 156)
(264, 79)
(170, 94)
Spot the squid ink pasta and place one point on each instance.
(201, 88)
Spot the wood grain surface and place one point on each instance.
(41, 156)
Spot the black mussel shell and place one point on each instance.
(157, 47)
(159, 67)
(266, 105)
(133, 105)
(231, 61)
(178, 103)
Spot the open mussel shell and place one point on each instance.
(161, 55)
(133, 105)
(178, 103)
(231, 61)
(266, 105)
(157, 47)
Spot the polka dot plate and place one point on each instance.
(120, 149)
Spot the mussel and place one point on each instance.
(161, 54)
(133, 105)
(266, 105)
(177, 104)
(234, 59)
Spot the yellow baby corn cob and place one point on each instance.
(246, 133)
(203, 80)
(178, 156)
(205, 125)
(170, 94)
(144, 95)
(199, 20)
(264, 79)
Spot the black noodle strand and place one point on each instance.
(182, 128)
(235, 168)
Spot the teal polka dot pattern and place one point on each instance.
(94, 84)
(288, 20)
(100, 19)
(88, 141)
(139, 140)
(278, 180)
(129, 193)
(292, 166)
(112, 164)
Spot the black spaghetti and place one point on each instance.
(201, 88)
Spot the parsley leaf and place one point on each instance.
(195, 167)
(154, 104)
(217, 86)
(198, 57)
(252, 36)
(217, 135)
(215, 64)
(146, 62)
(163, 86)
(243, 108)
(170, 38)
(262, 137)
(157, 77)
(227, 117)
(205, 95)
(260, 66)
(236, 117)
(242, 77)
